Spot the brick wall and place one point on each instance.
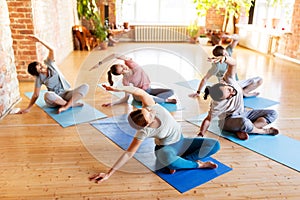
(289, 43)
(214, 20)
(51, 20)
(9, 85)
(21, 25)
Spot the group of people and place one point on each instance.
(172, 149)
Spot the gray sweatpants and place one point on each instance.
(244, 122)
(50, 97)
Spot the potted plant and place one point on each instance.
(193, 31)
(99, 31)
(87, 10)
(203, 39)
(230, 9)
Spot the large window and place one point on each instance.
(276, 16)
(167, 12)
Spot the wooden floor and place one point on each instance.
(42, 160)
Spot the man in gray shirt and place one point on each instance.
(59, 93)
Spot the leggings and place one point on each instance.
(159, 94)
(184, 153)
(50, 97)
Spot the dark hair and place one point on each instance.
(136, 119)
(113, 70)
(32, 68)
(215, 39)
(214, 91)
(218, 50)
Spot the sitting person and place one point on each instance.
(111, 40)
(59, 92)
(172, 150)
(227, 104)
(218, 70)
(134, 74)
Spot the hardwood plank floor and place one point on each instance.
(42, 160)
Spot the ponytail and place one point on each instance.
(113, 70)
(110, 78)
(206, 92)
(214, 91)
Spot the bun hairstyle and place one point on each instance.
(136, 119)
(32, 68)
(113, 70)
(214, 91)
(218, 50)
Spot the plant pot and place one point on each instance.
(275, 23)
(103, 45)
(193, 40)
(203, 40)
(126, 25)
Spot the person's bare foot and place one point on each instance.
(64, 108)
(242, 135)
(207, 164)
(272, 131)
(174, 101)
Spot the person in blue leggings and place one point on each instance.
(172, 149)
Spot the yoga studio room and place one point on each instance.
(149, 99)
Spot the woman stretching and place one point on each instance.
(135, 75)
(172, 149)
(59, 93)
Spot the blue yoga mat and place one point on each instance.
(249, 102)
(72, 116)
(258, 102)
(279, 148)
(119, 131)
(169, 106)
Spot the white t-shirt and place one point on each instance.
(232, 106)
(167, 133)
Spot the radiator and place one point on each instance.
(160, 33)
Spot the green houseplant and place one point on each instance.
(87, 10)
(193, 31)
(230, 8)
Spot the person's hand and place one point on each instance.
(99, 178)
(106, 104)
(110, 88)
(34, 38)
(219, 59)
(200, 134)
(225, 36)
(194, 95)
(22, 111)
(96, 66)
